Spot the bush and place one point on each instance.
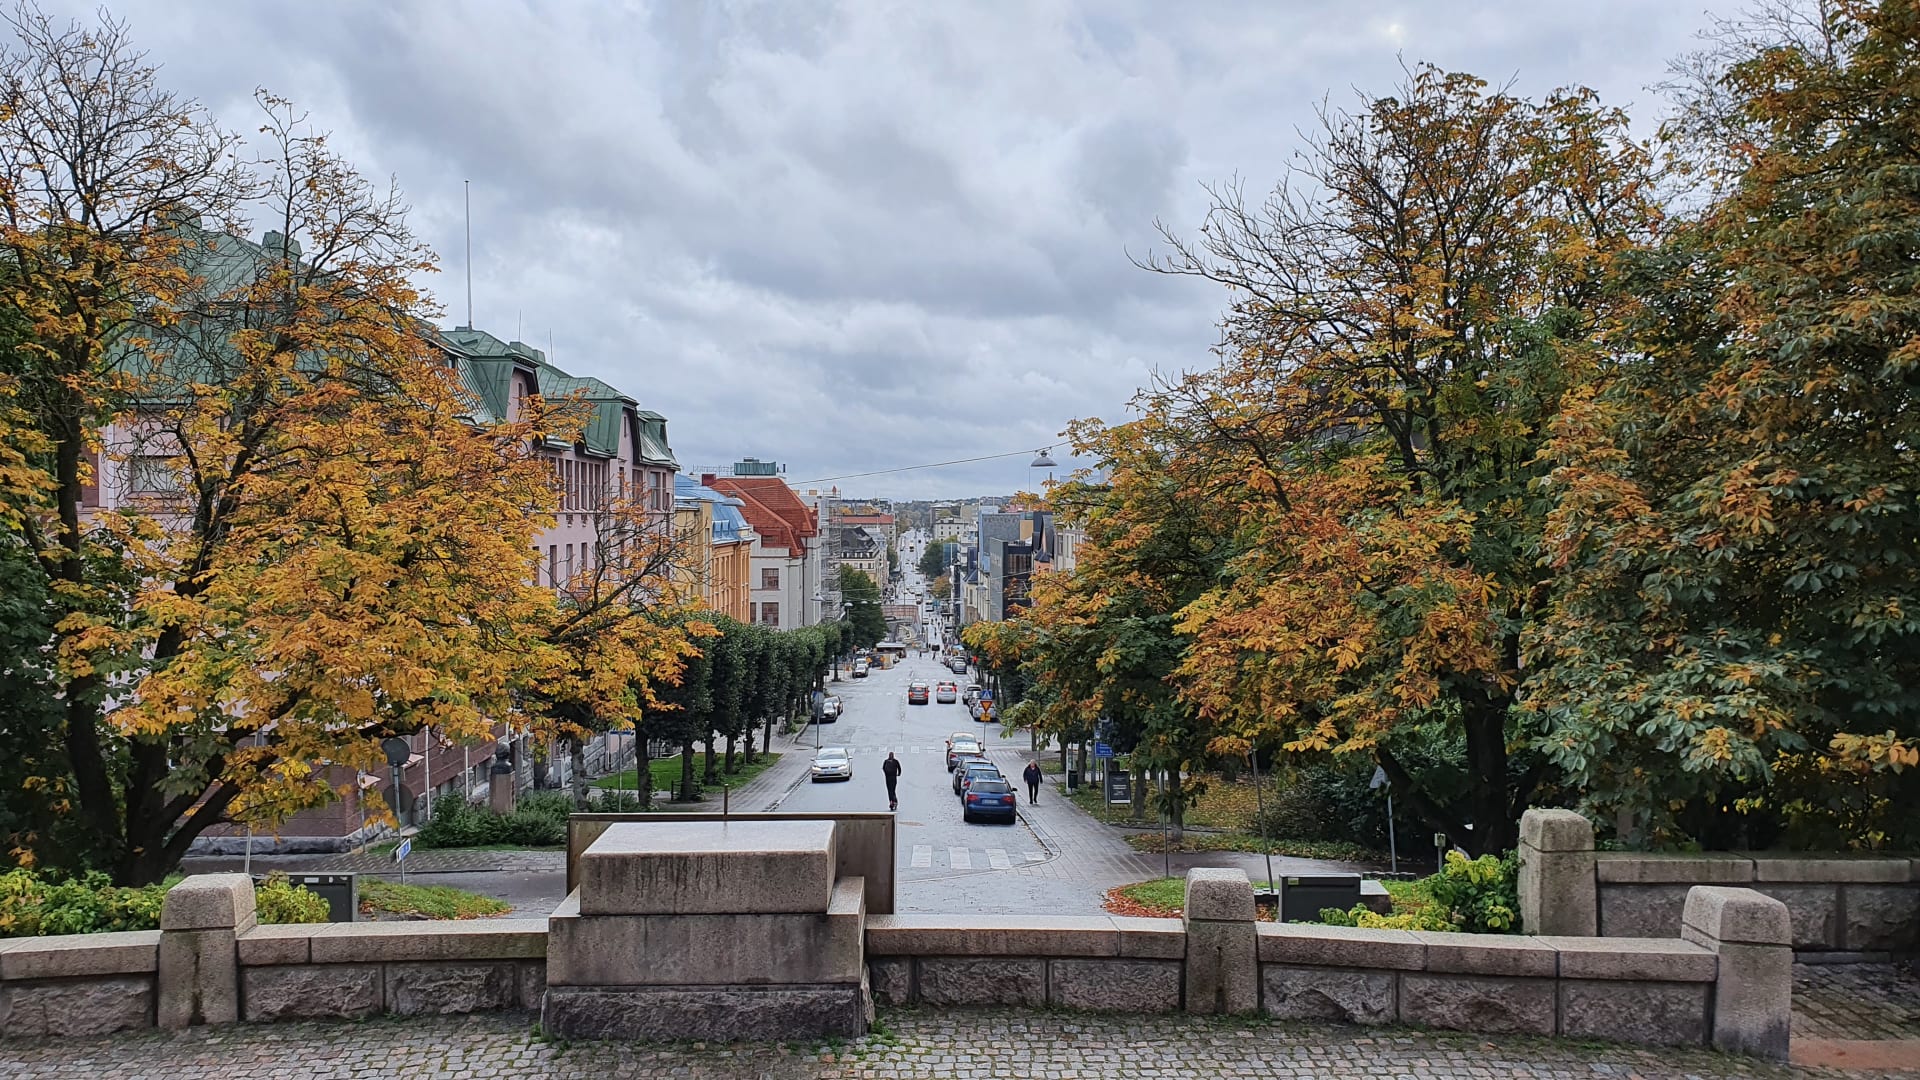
(1475, 896)
(539, 820)
(276, 900)
(34, 904)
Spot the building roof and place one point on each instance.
(729, 521)
(772, 508)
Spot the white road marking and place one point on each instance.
(959, 858)
(922, 856)
(997, 858)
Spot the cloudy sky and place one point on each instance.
(863, 235)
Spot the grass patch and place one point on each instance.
(430, 901)
(1330, 850)
(1164, 898)
(664, 774)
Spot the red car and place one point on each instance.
(917, 694)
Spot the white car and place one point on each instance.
(832, 763)
(831, 708)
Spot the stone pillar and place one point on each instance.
(1558, 893)
(1223, 965)
(1753, 990)
(501, 782)
(709, 930)
(198, 973)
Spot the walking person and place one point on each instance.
(1032, 776)
(890, 769)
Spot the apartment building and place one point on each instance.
(786, 555)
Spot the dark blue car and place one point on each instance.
(988, 798)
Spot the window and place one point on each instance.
(153, 474)
(769, 577)
(553, 564)
(754, 610)
(569, 563)
(769, 614)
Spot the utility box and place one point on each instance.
(340, 891)
(1303, 896)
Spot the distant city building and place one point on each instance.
(786, 559)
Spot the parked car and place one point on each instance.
(957, 665)
(989, 797)
(945, 693)
(975, 709)
(971, 769)
(917, 693)
(832, 763)
(971, 694)
(860, 669)
(961, 742)
(831, 708)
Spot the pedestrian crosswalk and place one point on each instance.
(932, 748)
(927, 857)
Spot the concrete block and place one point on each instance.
(1881, 869)
(1880, 918)
(1641, 959)
(287, 944)
(1651, 911)
(709, 867)
(198, 979)
(891, 979)
(1555, 830)
(389, 942)
(1133, 986)
(957, 981)
(1478, 1003)
(311, 992)
(69, 1007)
(1305, 944)
(1350, 996)
(1656, 1013)
(209, 902)
(1488, 954)
(1150, 939)
(725, 1014)
(1649, 868)
(997, 935)
(1753, 1000)
(533, 983)
(1716, 915)
(126, 952)
(440, 988)
(1223, 968)
(702, 950)
(1813, 912)
(1217, 894)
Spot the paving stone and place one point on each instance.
(916, 1044)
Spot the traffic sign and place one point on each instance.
(405, 849)
(1101, 749)
(986, 695)
(1379, 777)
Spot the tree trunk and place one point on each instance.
(689, 791)
(709, 776)
(539, 768)
(1493, 828)
(577, 752)
(1139, 794)
(766, 736)
(731, 765)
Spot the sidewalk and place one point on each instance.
(915, 1043)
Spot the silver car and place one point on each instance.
(832, 763)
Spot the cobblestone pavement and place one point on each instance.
(910, 1044)
(1856, 1001)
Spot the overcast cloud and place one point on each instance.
(854, 236)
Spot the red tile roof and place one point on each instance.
(772, 508)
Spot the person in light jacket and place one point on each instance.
(1032, 777)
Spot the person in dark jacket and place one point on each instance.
(1032, 776)
(890, 769)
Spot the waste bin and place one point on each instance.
(1073, 779)
(340, 891)
(1303, 896)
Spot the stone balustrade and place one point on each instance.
(1841, 907)
(730, 930)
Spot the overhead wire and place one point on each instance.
(913, 468)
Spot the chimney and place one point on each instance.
(707, 479)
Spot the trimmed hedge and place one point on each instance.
(35, 905)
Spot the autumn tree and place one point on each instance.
(866, 623)
(1733, 644)
(1408, 307)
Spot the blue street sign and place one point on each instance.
(405, 849)
(1101, 749)
(986, 695)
